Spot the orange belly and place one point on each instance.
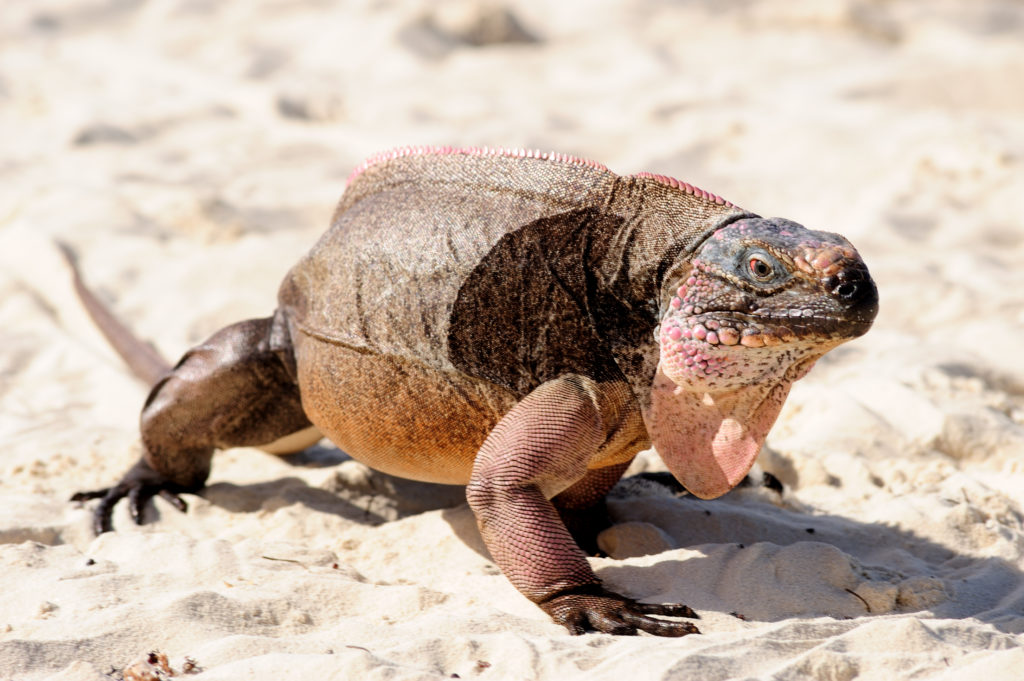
(397, 415)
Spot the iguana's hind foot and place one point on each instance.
(237, 389)
(140, 484)
(594, 608)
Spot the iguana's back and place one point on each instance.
(480, 261)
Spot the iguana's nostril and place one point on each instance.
(848, 285)
(858, 294)
(847, 291)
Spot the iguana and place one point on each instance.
(522, 323)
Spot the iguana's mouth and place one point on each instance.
(711, 350)
(805, 316)
(731, 327)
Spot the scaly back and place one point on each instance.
(433, 249)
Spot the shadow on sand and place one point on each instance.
(741, 520)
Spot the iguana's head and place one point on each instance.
(759, 298)
(748, 313)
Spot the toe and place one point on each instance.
(174, 500)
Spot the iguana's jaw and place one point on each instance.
(732, 343)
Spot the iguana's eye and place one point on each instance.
(760, 268)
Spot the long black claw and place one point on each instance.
(173, 499)
(667, 609)
(660, 627)
(138, 495)
(101, 517)
(87, 496)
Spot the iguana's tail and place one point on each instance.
(143, 359)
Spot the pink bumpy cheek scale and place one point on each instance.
(693, 351)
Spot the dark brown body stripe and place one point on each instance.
(524, 314)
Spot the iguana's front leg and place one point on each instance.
(540, 448)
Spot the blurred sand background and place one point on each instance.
(191, 151)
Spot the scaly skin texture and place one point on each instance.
(524, 324)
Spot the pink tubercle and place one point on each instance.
(433, 150)
(728, 336)
(685, 187)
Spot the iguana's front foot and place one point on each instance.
(595, 608)
(140, 484)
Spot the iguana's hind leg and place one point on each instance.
(236, 389)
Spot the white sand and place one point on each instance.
(191, 151)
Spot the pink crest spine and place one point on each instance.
(426, 150)
(685, 187)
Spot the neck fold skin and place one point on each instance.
(710, 441)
